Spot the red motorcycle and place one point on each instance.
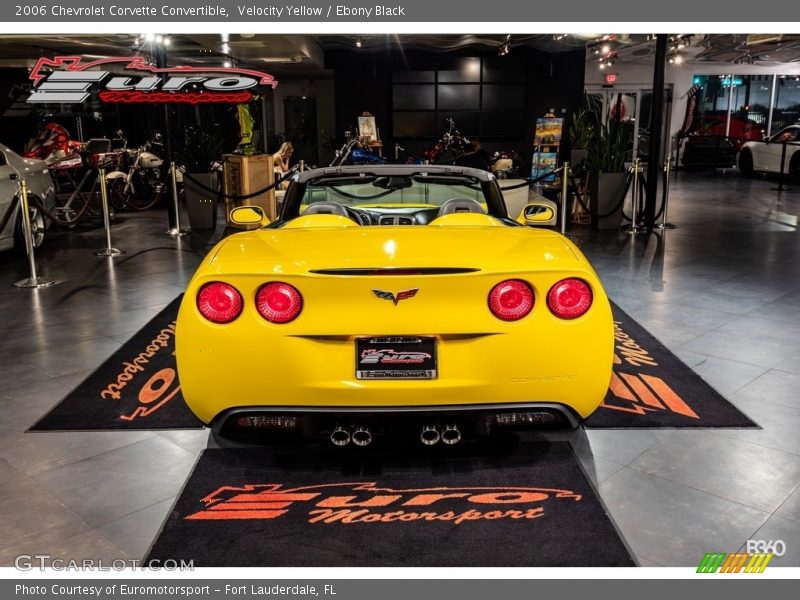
(450, 146)
(52, 144)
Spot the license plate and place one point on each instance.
(396, 358)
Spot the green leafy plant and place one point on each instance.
(584, 122)
(606, 142)
(609, 147)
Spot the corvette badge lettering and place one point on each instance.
(404, 295)
(350, 503)
(71, 81)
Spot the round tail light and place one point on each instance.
(511, 300)
(219, 302)
(569, 298)
(279, 302)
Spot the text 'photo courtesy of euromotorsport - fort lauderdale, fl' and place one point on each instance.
(208, 10)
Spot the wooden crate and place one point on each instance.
(244, 175)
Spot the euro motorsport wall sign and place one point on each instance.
(70, 80)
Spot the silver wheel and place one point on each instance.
(38, 227)
(38, 230)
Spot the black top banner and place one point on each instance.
(393, 11)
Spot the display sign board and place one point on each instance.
(548, 130)
(132, 80)
(544, 163)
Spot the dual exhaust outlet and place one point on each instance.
(360, 436)
(429, 435)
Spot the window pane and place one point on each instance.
(459, 97)
(711, 113)
(787, 102)
(414, 97)
(750, 107)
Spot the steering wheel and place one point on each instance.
(358, 216)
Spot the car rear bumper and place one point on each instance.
(310, 421)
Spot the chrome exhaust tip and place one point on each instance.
(451, 434)
(362, 436)
(340, 436)
(429, 435)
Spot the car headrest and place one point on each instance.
(460, 205)
(326, 208)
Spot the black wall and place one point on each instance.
(364, 83)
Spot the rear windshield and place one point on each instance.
(392, 191)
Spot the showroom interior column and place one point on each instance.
(772, 103)
(161, 62)
(656, 121)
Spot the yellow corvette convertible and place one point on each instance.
(393, 298)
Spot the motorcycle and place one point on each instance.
(143, 178)
(505, 164)
(353, 152)
(52, 144)
(449, 147)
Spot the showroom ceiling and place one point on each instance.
(302, 56)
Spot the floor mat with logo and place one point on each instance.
(474, 505)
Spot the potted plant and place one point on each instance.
(200, 147)
(606, 146)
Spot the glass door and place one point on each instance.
(633, 108)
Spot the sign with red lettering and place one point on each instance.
(132, 80)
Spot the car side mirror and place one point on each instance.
(249, 215)
(539, 213)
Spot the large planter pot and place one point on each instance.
(201, 204)
(606, 207)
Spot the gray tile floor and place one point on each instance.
(722, 291)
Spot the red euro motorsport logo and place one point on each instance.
(69, 80)
(367, 502)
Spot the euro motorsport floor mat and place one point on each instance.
(137, 388)
(504, 504)
(651, 387)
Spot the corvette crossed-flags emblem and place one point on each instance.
(404, 295)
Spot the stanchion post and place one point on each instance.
(668, 171)
(109, 250)
(34, 281)
(173, 178)
(564, 196)
(634, 228)
(781, 175)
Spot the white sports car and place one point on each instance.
(766, 156)
(41, 192)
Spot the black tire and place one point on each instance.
(117, 197)
(794, 168)
(38, 231)
(746, 163)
